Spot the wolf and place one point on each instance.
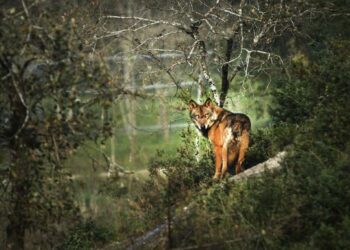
(228, 133)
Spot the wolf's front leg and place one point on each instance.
(218, 161)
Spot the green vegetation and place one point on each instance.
(304, 206)
(88, 157)
(43, 112)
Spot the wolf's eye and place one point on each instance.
(195, 116)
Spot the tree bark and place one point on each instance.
(225, 82)
(20, 186)
(205, 71)
(112, 168)
(17, 219)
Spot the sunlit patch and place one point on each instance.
(228, 136)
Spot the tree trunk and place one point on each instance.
(18, 178)
(112, 168)
(17, 225)
(163, 118)
(225, 83)
(205, 71)
(132, 122)
(18, 216)
(198, 134)
(131, 102)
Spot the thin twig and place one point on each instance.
(26, 119)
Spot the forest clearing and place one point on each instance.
(175, 124)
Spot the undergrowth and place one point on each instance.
(305, 205)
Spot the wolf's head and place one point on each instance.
(203, 116)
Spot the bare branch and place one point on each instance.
(26, 118)
(151, 21)
(252, 27)
(155, 39)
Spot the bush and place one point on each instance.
(87, 235)
(303, 206)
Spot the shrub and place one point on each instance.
(303, 206)
(87, 235)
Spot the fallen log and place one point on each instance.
(269, 165)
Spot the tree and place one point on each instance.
(50, 100)
(232, 40)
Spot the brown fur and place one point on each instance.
(228, 132)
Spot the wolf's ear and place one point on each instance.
(192, 104)
(208, 103)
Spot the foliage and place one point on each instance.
(87, 235)
(54, 96)
(305, 205)
(267, 142)
(172, 177)
(318, 97)
(49, 100)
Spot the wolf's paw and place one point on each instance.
(216, 177)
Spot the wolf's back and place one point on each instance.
(237, 121)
